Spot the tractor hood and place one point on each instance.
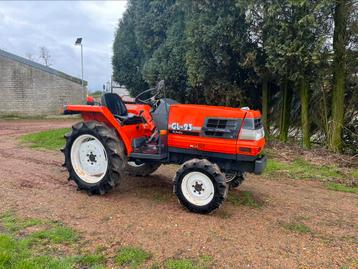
(219, 111)
(215, 129)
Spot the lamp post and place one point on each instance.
(79, 43)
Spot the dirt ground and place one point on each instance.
(143, 212)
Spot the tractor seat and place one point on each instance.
(119, 110)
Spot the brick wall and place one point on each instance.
(29, 91)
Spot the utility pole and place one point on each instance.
(79, 43)
(82, 64)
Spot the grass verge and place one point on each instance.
(50, 139)
(342, 188)
(56, 234)
(301, 169)
(36, 244)
(14, 225)
(20, 117)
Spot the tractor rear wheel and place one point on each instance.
(200, 186)
(234, 180)
(141, 169)
(94, 157)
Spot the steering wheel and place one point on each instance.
(152, 100)
(148, 101)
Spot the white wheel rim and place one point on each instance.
(89, 158)
(197, 188)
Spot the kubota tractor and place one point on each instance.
(215, 146)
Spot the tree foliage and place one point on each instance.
(287, 57)
(128, 59)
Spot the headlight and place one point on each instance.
(246, 134)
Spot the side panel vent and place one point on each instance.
(221, 128)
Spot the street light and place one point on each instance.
(79, 43)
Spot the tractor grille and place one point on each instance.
(221, 128)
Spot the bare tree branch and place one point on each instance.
(45, 56)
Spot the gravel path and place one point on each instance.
(144, 212)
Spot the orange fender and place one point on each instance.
(102, 114)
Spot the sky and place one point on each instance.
(25, 26)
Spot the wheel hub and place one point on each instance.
(91, 158)
(198, 187)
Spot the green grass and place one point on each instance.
(51, 139)
(244, 198)
(355, 173)
(13, 224)
(296, 227)
(14, 254)
(54, 232)
(274, 166)
(180, 264)
(132, 256)
(96, 260)
(342, 187)
(301, 169)
(350, 264)
(20, 117)
(38, 244)
(23, 249)
(58, 234)
(202, 263)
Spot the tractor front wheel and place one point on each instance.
(94, 157)
(200, 186)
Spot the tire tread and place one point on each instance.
(113, 145)
(213, 171)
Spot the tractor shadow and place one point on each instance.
(156, 187)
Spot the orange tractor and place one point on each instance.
(215, 146)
